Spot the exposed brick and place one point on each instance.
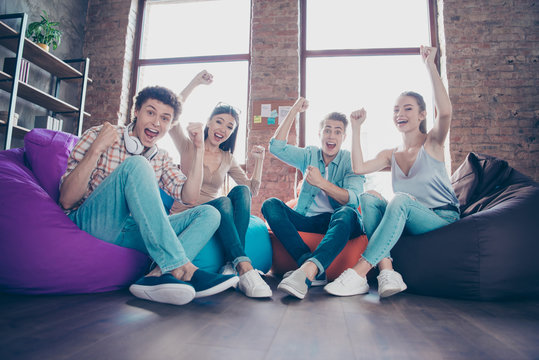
(491, 59)
(491, 62)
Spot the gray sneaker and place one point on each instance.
(319, 280)
(390, 283)
(297, 284)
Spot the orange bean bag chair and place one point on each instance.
(349, 256)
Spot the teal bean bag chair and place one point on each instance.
(257, 245)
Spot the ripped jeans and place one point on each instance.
(385, 222)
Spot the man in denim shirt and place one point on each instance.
(327, 203)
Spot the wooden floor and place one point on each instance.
(230, 326)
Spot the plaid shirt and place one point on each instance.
(168, 175)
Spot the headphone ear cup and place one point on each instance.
(151, 152)
(132, 143)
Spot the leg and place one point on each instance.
(402, 213)
(126, 209)
(286, 223)
(227, 232)
(240, 196)
(373, 208)
(250, 282)
(343, 226)
(131, 190)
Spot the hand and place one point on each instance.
(301, 104)
(203, 78)
(258, 152)
(427, 54)
(106, 138)
(314, 177)
(196, 134)
(358, 117)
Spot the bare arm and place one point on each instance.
(359, 165)
(258, 153)
(284, 127)
(442, 102)
(202, 77)
(75, 184)
(185, 147)
(191, 187)
(182, 143)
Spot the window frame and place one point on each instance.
(138, 62)
(305, 54)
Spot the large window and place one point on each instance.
(182, 37)
(363, 54)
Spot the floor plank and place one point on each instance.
(116, 325)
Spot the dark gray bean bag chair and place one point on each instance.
(491, 253)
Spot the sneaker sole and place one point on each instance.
(337, 293)
(257, 294)
(390, 292)
(314, 283)
(290, 290)
(232, 282)
(174, 294)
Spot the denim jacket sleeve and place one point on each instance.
(290, 154)
(352, 182)
(354, 185)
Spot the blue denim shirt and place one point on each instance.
(340, 173)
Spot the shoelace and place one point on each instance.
(345, 276)
(385, 279)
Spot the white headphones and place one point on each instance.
(134, 146)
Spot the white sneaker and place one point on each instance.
(390, 283)
(347, 284)
(318, 281)
(252, 285)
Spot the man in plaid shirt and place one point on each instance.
(111, 190)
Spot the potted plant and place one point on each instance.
(45, 32)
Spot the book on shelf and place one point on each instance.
(48, 122)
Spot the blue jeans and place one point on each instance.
(338, 227)
(126, 210)
(235, 210)
(385, 222)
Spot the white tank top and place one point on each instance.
(427, 181)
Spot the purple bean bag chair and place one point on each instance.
(41, 250)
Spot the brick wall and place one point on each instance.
(274, 76)
(490, 59)
(492, 56)
(110, 30)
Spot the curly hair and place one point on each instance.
(163, 94)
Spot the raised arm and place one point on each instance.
(75, 184)
(191, 187)
(181, 141)
(185, 147)
(284, 127)
(359, 165)
(202, 78)
(258, 153)
(438, 133)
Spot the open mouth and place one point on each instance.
(331, 145)
(151, 134)
(218, 137)
(402, 122)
